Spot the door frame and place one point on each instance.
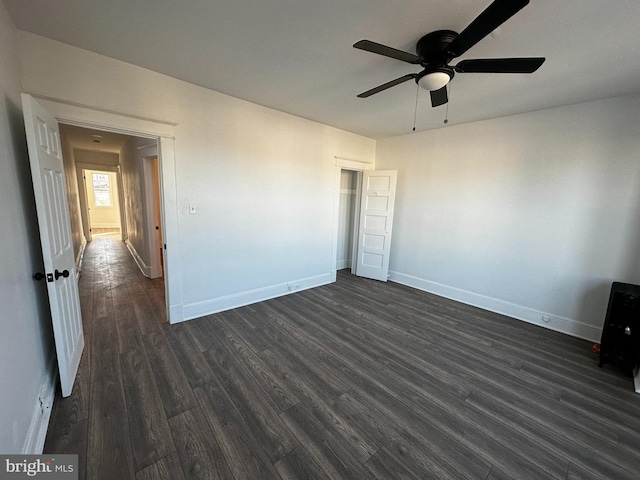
(357, 166)
(163, 133)
(155, 267)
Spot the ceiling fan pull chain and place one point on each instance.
(415, 112)
(446, 115)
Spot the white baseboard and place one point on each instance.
(556, 322)
(80, 257)
(34, 443)
(144, 268)
(636, 379)
(215, 305)
(342, 264)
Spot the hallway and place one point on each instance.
(119, 306)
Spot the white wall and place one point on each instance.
(94, 157)
(263, 181)
(527, 215)
(25, 325)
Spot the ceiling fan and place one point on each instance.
(435, 50)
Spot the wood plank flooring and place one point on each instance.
(354, 380)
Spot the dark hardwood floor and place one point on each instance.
(354, 380)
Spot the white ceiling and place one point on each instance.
(296, 55)
(96, 140)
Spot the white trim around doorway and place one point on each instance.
(163, 132)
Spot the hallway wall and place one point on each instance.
(134, 189)
(73, 196)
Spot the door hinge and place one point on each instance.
(45, 405)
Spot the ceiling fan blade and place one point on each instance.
(494, 15)
(380, 49)
(439, 97)
(384, 86)
(500, 65)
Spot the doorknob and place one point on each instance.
(64, 273)
(38, 276)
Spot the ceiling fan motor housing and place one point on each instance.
(434, 57)
(432, 48)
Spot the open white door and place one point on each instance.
(376, 221)
(47, 172)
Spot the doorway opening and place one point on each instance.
(364, 205)
(57, 192)
(99, 191)
(118, 190)
(153, 208)
(348, 216)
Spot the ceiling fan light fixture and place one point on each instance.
(435, 79)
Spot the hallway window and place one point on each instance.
(101, 190)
